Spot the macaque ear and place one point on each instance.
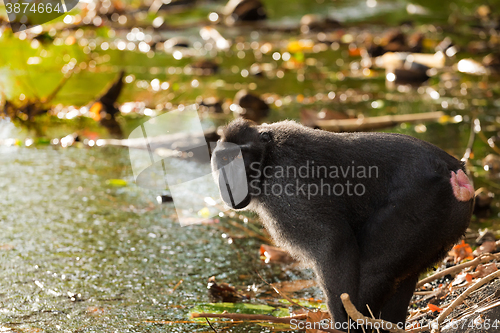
(265, 137)
(229, 172)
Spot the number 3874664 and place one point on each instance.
(32, 8)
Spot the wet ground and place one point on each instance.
(78, 255)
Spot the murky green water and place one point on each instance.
(78, 255)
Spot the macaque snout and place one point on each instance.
(229, 172)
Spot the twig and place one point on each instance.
(177, 285)
(479, 260)
(490, 306)
(370, 123)
(249, 232)
(294, 303)
(281, 294)
(210, 325)
(250, 317)
(418, 330)
(424, 293)
(428, 294)
(61, 84)
(470, 144)
(358, 316)
(371, 314)
(489, 143)
(461, 298)
(242, 316)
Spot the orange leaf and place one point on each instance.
(462, 251)
(354, 52)
(433, 307)
(95, 110)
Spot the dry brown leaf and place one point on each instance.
(223, 292)
(484, 270)
(486, 247)
(95, 310)
(314, 320)
(271, 254)
(459, 280)
(293, 286)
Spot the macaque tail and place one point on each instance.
(462, 186)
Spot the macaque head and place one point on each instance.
(236, 160)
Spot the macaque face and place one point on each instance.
(230, 175)
(232, 160)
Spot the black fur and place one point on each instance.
(372, 246)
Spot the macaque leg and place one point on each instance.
(387, 278)
(396, 301)
(397, 305)
(338, 272)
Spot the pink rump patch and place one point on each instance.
(462, 188)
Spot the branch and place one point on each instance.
(466, 293)
(281, 294)
(210, 325)
(358, 316)
(240, 316)
(248, 317)
(488, 142)
(479, 260)
(470, 144)
(61, 84)
(370, 123)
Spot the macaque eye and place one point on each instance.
(265, 137)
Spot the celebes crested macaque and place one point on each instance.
(369, 211)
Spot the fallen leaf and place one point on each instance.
(6, 247)
(433, 307)
(462, 251)
(317, 319)
(95, 310)
(484, 270)
(459, 280)
(275, 255)
(486, 247)
(116, 182)
(223, 292)
(293, 286)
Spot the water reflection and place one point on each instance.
(77, 254)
